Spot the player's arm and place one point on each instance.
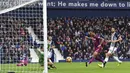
(114, 41)
(119, 39)
(89, 38)
(102, 40)
(52, 46)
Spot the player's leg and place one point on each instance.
(51, 64)
(108, 54)
(93, 57)
(105, 60)
(98, 57)
(21, 63)
(95, 54)
(26, 61)
(117, 59)
(41, 59)
(115, 56)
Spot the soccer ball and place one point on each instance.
(68, 59)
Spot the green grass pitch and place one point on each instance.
(78, 67)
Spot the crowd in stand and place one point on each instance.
(68, 34)
(13, 40)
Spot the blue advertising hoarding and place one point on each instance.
(88, 4)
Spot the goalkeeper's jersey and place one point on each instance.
(42, 53)
(41, 58)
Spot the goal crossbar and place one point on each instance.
(16, 7)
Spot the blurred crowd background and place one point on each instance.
(67, 29)
(68, 34)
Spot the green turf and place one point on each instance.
(70, 68)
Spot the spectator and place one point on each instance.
(68, 34)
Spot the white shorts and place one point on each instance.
(49, 54)
(112, 50)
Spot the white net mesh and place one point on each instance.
(20, 27)
(9, 5)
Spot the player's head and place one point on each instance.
(92, 34)
(113, 30)
(49, 38)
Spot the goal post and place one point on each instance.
(23, 29)
(45, 36)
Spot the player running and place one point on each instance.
(98, 45)
(115, 38)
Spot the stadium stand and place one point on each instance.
(68, 34)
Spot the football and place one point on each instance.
(68, 59)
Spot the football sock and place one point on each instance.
(52, 66)
(99, 60)
(116, 58)
(91, 60)
(106, 59)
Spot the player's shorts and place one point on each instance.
(49, 54)
(112, 50)
(98, 49)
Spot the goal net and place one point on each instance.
(21, 33)
(9, 5)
